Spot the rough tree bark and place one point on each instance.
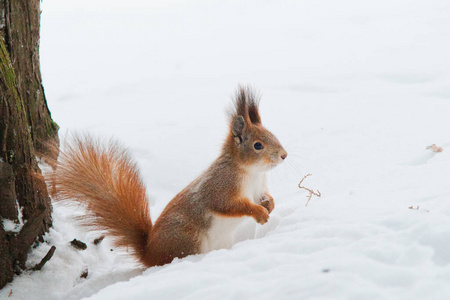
(25, 125)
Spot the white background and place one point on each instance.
(355, 91)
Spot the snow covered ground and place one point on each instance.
(355, 90)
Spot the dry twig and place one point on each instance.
(98, 240)
(311, 192)
(79, 245)
(84, 274)
(435, 148)
(46, 258)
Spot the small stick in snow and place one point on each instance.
(46, 258)
(79, 245)
(311, 192)
(84, 274)
(98, 240)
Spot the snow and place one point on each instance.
(14, 226)
(9, 225)
(354, 90)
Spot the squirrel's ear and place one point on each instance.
(237, 128)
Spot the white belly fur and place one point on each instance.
(221, 233)
(255, 185)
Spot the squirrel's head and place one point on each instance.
(248, 141)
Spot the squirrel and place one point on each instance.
(201, 218)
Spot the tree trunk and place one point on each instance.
(25, 126)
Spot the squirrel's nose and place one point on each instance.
(283, 156)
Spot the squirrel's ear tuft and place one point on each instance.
(246, 105)
(253, 111)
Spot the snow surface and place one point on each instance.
(355, 91)
(14, 226)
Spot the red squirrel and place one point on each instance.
(200, 218)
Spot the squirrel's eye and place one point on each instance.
(258, 146)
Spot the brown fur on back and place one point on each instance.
(104, 178)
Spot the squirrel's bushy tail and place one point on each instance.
(102, 176)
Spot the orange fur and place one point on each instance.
(104, 178)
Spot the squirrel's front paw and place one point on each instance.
(261, 215)
(268, 203)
